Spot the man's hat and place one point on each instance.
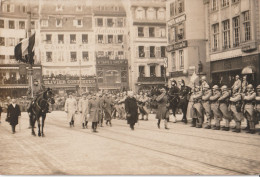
(258, 87)
(215, 87)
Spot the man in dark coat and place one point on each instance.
(131, 109)
(184, 99)
(174, 98)
(13, 113)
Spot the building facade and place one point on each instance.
(111, 44)
(67, 45)
(233, 34)
(147, 29)
(186, 39)
(13, 29)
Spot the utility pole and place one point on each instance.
(30, 70)
(80, 91)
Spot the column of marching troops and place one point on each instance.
(238, 103)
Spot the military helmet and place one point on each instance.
(258, 87)
(215, 87)
(250, 86)
(203, 78)
(224, 87)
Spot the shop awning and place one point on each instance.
(248, 70)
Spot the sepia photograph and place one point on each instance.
(130, 87)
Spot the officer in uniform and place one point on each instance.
(223, 106)
(174, 98)
(207, 93)
(215, 106)
(257, 103)
(249, 108)
(184, 99)
(197, 106)
(235, 107)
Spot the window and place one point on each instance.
(84, 38)
(139, 13)
(44, 23)
(172, 35)
(214, 5)
(79, 23)
(151, 14)
(161, 14)
(181, 57)
(140, 32)
(162, 71)
(225, 3)
(73, 56)
(120, 22)
(120, 54)
(2, 41)
(79, 8)
(73, 38)
(172, 9)
(235, 1)
(162, 32)
(215, 31)
(33, 24)
(11, 24)
(85, 56)
(48, 38)
(2, 57)
(100, 22)
(236, 31)
(152, 71)
(21, 25)
(152, 51)
(141, 71)
(11, 41)
(120, 38)
(2, 23)
(8, 9)
(180, 6)
(246, 25)
(58, 22)
(163, 51)
(48, 56)
(110, 22)
(110, 54)
(11, 57)
(100, 39)
(110, 39)
(141, 51)
(123, 76)
(226, 34)
(23, 9)
(173, 61)
(180, 32)
(60, 38)
(151, 32)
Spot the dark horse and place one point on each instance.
(39, 109)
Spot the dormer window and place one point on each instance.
(58, 22)
(59, 7)
(79, 8)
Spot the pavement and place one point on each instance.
(117, 150)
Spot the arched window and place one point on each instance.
(151, 14)
(139, 13)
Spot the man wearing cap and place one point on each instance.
(207, 93)
(215, 106)
(257, 103)
(223, 106)
(235, 107)
(249, 108)
(70, 108)
(184, 99)
(174, 98)
(204, 82)
(237, 83)
(197, 106)
(83, 110)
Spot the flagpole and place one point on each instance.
(30, 70)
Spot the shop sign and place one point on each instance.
(250, 60)
(177, 20)
(177, 46)
(65, 47)
(69, 82)
(248, 47)
(110, 31)
(112, 62)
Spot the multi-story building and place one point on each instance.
(111, 44)
(186, 39)
(233, 33)
(13, 28)
(147, 25)
(67, 45)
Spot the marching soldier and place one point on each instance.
(249, 108)
(223, 106)
(215, 106)
(257, 106)
(197, 107)
(235, 107)
(83, 110)
(204, 82)
(184, 99)
(207, 93)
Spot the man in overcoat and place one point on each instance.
(107, 108)
(131, 109)
(184, 99)
(13, 114)
(94, 111)
(83, 110)
(70, 109)
(257, 104)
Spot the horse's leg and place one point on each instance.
(39, 125)
(32, 123)
(43, 119)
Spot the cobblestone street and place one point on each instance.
(116, 150)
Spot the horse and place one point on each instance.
(39, 109)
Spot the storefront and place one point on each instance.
(112, 74)
(223, 72)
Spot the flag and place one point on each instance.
(24, 48)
